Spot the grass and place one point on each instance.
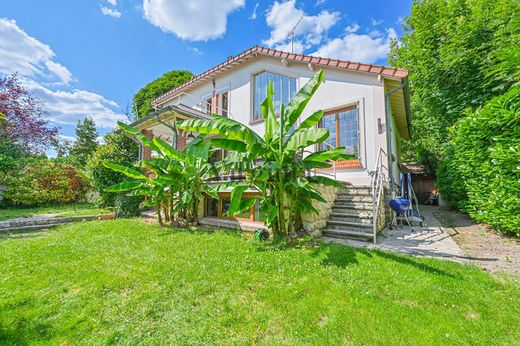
(128, 282)
(78, 209)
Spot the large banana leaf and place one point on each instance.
(326, 155)
(129, 172)
(311, 121)
(137, 134)
(267, 107)
(235, 199)
(229, 144)
(301, 99)
(223, 126)
(198, 149)
(125, 186)
(168, 149)
(303, 139)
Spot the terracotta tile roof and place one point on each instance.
(259, 50)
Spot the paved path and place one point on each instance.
(429, 241)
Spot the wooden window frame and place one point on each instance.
(343, 164)
(227, 195)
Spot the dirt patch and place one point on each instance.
(480, 245)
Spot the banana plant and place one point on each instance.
(177, 183)
(284, 189)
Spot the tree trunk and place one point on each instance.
(159, 216)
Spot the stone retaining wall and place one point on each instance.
(316, 221)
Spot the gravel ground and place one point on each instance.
(481, 246)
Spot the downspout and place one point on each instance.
(388, 134)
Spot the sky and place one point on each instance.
(89, 57)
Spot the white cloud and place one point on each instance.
(112, 2)
(195, 51)
(100, 139)
(352, 28)
(319, 2)
(194, 20)
(376, 22)
(34, 63)
(23, 54)
(366, 48)
(283, 16)
(110, 12)
(66, 107)
(65, 138)
(253, 14)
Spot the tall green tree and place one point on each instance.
(143, 98)
(86, 143)
(459, 56)
(117, 148)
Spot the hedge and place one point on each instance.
(45, 182)
(481, 172)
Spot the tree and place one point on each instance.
(452, 49)
(23, 123)
(143, 98)
(86, 141)
(285, 190)
(119, 149)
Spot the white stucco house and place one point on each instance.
(366, 110)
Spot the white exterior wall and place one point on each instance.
(340, 89)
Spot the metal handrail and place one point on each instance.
(377, 184)
(201, 102)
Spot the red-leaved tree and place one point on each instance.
(23, 118)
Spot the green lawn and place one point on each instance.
(128, 282)
(80, 209)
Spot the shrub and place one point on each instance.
(118, 149)
(127, 206)
(45, 182)
(481, 172)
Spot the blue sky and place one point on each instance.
(88, 57)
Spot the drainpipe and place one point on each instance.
(389, 134)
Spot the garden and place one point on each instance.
(131, 282)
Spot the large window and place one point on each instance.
(284, 89)
(343, 126)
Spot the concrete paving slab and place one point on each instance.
(430, 241)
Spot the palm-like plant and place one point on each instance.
(176, 185)
(285, 191)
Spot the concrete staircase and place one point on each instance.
(351, 215)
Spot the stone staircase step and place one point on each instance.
(360, 199)
(350, 193)
(349, 225)
(341, 233)
(350, 217)
(353, 205)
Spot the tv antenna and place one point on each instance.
(290, 35)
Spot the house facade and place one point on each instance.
(366, 107)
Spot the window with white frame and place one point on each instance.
(284, 89)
